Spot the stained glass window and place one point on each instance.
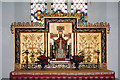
(80, 6)
(59, 5)
(38, 7)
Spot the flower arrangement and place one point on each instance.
(77, 59)
(43, 60)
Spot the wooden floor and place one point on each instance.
(61, 71)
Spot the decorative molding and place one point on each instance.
(17, 66)
(39, 25)
(27, 24)
(59, 66)
(101, 24)
(62, 14)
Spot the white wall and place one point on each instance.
(112, 18)
(119, 40)
(12, 11)
(7, 39)
(97, 12)
(0, 40)
(22, 11)
(107, 12)
(68, 0)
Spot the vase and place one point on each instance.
(76, 65)
(42, 67)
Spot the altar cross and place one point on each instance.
(60, 31)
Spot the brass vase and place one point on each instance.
(76, 65)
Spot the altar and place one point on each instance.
(63, 74)
(60, 45)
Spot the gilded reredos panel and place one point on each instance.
(34, 43)
(89, 43)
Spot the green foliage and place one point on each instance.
(77, 59)
(43, 60)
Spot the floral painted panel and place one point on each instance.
(34, 43)
(89, 43)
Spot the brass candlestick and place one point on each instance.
(98, 52)
(27, 59)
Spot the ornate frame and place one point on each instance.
(103, 32)
(101, 27)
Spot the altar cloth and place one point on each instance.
(63, 74)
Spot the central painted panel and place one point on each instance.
(60, 41)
